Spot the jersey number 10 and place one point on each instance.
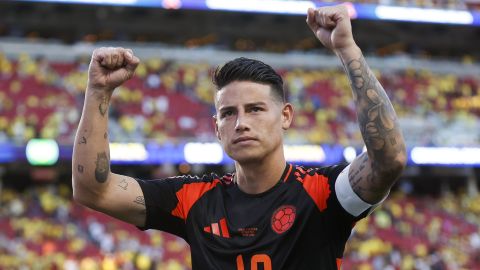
(255, 261)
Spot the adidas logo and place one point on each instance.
(219, 229)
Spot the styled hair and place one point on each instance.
(245, 69)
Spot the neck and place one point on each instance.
(257, 177)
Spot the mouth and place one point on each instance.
(243, 139)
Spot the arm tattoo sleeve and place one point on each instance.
(103, 106)
(377, 121)
(139, 200)
(102, 167)
(123, 184)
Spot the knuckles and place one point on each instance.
(323, 12)
(113, 52)
(114, 57)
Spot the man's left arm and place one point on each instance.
(373, 173)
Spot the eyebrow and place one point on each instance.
(252, 104)
(259, 103)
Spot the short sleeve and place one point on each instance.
(348, 199)
(343, 203)
(160, 201)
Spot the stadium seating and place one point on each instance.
(169, 100)
(42, 94)
(42, 228)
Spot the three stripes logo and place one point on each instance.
(218, 229)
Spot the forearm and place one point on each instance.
(91, 154)
(377, 119)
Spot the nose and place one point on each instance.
(241, 123)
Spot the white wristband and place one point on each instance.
(349, 200)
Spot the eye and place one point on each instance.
(256, 109)
(226, 114)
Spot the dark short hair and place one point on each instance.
(245, 69)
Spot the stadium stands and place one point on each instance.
(172, 100)
(44, 55)
(42, 228)
(419, 233)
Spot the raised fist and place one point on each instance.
(331, 25)
(110, 67)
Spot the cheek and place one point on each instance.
(222, 130)
(274, 123)
(272, 129)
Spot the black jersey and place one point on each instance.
(297, 224)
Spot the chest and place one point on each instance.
(231, 214)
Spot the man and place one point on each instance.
(268, 213)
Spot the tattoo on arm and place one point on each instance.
(83, 136)
(105, 136)
(379, 128)
(376, 116)
(123, 184)
(356, 175)
(102, 167)
(139, 200)
(103, 106)
(80, 168)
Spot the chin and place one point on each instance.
(246, 156)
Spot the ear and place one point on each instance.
(215, 124)
(287, 115)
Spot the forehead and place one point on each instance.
(243, 92)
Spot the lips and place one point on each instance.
(243, 139)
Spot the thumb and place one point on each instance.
(311, 19)
(131, 61)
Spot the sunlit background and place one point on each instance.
(424, 52)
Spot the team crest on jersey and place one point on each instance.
(283, 218)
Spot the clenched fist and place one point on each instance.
(331, 25)
(110, 67)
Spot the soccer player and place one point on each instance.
(268, 214)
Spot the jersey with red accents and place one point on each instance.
(297, 224)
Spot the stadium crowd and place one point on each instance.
(172, 101)
(42, 228)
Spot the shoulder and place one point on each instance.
(186, 182)
(318, 182)
(205, 178)
(330, 172)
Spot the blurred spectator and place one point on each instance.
(173, 101)
(406, 232)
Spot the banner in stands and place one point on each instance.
(212, 153)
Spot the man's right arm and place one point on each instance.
(94, 185)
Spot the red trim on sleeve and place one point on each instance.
(189, 194)
(339, 263)
(318, 188)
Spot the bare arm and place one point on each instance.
(371, 174)
(94, 185)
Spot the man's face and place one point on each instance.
(250, 120)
